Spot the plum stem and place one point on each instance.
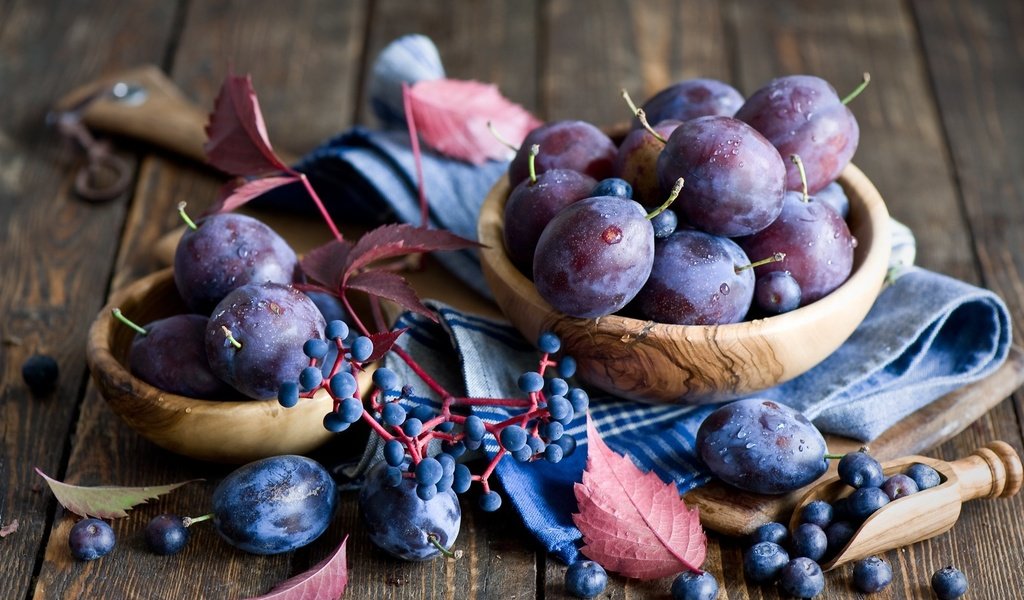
(777, 257)
(857, 90)
(231, 337)
(184, 216)
(803, 174)
(434, 539)
(190, 521)
(534, 151)
(120, 317)
(834, 456)
(502, 139)
(641, 115)
(678, 187)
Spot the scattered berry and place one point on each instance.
(776, 533)
(585, 579)
(871, 575)
(91, 539)
(802, 577)
(695, 586)
(166, 534)
(949, 583)
(763, 562)
(40, 373)
(613, 186)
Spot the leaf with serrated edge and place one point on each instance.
(325, 581)
(325, 264)
(236, 135)
(390, 286)
(633, 523)
(391, 241)
(235, 196)
(383, 341)
(451, 116)
(105, 502)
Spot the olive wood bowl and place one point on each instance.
(661, 363)
(233, 430)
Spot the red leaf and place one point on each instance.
(325, 581)
(9, 528)
(237, 141)
(632, 522)
(105, 501)
(382, 343)
(390, 241)
(390, 286)
(233, 196)
(326, 264)
(452, 117)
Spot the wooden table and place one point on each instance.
(942, 126)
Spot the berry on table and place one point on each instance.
(763, 562)
(818, 512)
(802, 577)
(949, 583)
(166, 534)
(91, 539)
(585, 579)
(871, 575)
(809, 540)
(770, 532)
(40, 373)
(695, 586)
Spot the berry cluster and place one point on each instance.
(408, 424)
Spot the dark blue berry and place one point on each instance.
(315, 348)
(553, 453)
(818, 512)
(454, 449)
(336, 330)
(40, 373)
(445, 483)
(386, 379)
(802, 577)
(490, 501)
(392, 477)
(343, 384)
(898, 486)
(566, 367)
(513, 437)
(426, 491)
(568, 445)
(695, 586)
(665, 224)
(429, 471)
(531, 381)
(288, 394)
(473, 444)
(809, 540)
(535, 443)
(763, 561)
(422, 412)
(557, 386)
(549, 342)
(613, 186)
(585, 579)
(447, 463)
(858, 469)
(838, 534)
(91, 539)
(474, 427)
(949, 583)
(871, 575)
(777, 533)
(924, 476)
(523, 454)
(579, 400)
(552, 430)
(392, 414)
(445, 427)
(394, 453)
(462, 479)
(310, 378)
(865, 501)
(362, 348)
(334, 422)
(166, 534)
(351, 409)
(412, 427)
(560, 408)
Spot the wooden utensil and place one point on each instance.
(993, 471)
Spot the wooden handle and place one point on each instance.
(994, 471)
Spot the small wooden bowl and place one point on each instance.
(659, 363)
(226, 431)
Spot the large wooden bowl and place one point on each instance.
(227, 431)
(659, 363)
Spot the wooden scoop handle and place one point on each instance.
(993, 471)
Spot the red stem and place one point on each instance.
(416, 368)
(414, 141)
(319, 204)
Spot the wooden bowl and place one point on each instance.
(227, 431)
(660, 363)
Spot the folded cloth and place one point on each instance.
(926, 335)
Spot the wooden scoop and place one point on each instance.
(993, 471)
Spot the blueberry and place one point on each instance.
(560, 408)
(858, 469)
(898, 486)
(776, 533)
(166, 534)
(362, 348)
(336, 330)
(310, 378)
(838, 534)
(763, 561)
(567, 366)
(274, 505)
(549, 342)
(40, 373)
(288, 394)
(579, 400)
(394, 453)
(335, 423)
(613, 186)
(695, 586)
(401, 523)
(802, 577)
(392, 414)
(386, 379)
(513, 437)
(531, 381)
(568, 445)
(554, 453)
(871, 575)
(343, 385)
(665, 224)
(412, 427)
(429, 471)
(315, 348)
(557, 386)
(924, 476)
(865, 501)
(490, 502)
(351, 409)
(463, 477)
(818, 512)
(91, 539)
(585, 579)
(474, 427)
(809, 541)
(949, 583)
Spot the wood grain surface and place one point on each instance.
(941, 130)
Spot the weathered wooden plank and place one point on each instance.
(57, 249)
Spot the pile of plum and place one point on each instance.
(758, 227)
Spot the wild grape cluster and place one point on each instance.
(536, 430)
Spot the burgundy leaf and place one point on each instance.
(105, 502)
(325, 581)
(9, 528)
(236, 136)
(390, 241)
(390, 286)
(632, 522)
(452, 115)
(233, 195)
(326, 264)
(383, 341)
